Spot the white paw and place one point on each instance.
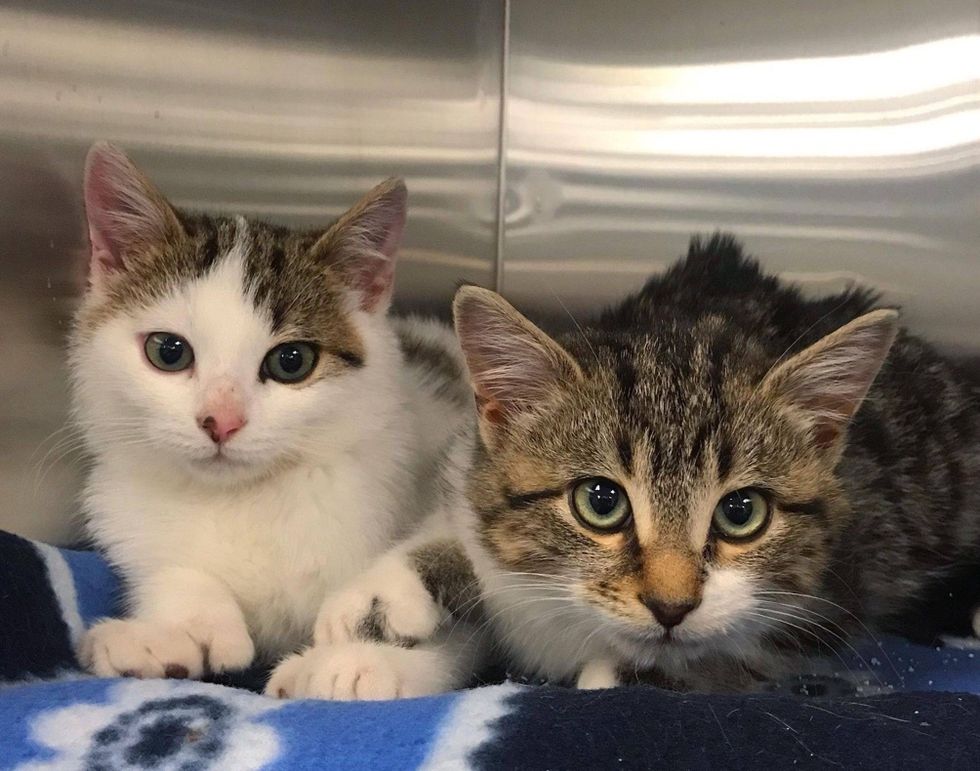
(136, 648)
(359, 671)
(596, 674)
(388, 602)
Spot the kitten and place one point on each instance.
(259, 429)
(714, 477)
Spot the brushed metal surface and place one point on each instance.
(839, 141)
(287, 111)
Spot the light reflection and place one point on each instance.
(900, 73)
(906, 110)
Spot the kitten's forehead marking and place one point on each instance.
(216, 313)
(641, 496)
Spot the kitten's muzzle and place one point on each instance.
(668, 614)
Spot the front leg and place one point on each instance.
(184, 623)
(404, 598)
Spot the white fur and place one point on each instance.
(598, 674)
(243, 548)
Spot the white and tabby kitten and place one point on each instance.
(259, 428)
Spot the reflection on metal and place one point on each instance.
(841, 145)
(840, 141)
(288, 114)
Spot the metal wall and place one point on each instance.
(840, 140)
(278, 110)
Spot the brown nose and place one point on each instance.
(669, 614)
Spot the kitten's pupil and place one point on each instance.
(737, 507)
(171, 349)
(290, 359)
(603, 498)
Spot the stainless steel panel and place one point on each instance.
(839, 140)
(281, 110)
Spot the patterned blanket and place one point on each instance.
(886, 705)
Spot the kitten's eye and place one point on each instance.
(289, 362)
(601, 504)
(168, 351)
(741, 514)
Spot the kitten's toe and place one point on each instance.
(361, 673)
(131, 648)
(229, 646)
(284, 680)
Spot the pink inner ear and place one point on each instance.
(393, 230)
(123, 209)
(374, 280)
(101, 200)
(103, 257)
(372, 245)
(384, 222)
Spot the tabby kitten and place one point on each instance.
(714, 477)
(260, 430)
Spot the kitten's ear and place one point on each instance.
(363, 244)
(125, 212)
(514, 366)
(826, 383)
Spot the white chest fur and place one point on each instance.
(278, 545)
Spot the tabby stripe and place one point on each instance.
(524, 500)
(724, 457)
(349, 357)
(626, 375)
(814, 508)
(625, 449)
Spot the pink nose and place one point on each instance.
(221, 425)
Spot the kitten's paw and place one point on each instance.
(131, 648)
(137, 648)
(359, 671)
(598, 673)
(388, 603)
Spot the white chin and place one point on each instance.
(224, 466)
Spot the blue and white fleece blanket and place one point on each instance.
(891, 706)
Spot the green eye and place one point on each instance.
(168, 351)
(741, 514)
(289, 362)
(601, 504)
